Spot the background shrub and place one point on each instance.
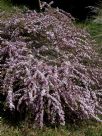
(78, 8)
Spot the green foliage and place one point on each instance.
(91, 129)
(5, 5)
(8, 130)
(95, 29)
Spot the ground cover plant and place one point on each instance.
(24, 130)
(95, 29)
(49, 69)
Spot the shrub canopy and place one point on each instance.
(49, 69)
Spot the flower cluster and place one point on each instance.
(49, 68)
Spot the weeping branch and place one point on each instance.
(48, 68)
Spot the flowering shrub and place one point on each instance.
(49, 68)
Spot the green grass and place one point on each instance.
(5, 5)
(7, 9)
(96, 31)
(94, 27)
(23, 129)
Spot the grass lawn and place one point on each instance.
(90, 129)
